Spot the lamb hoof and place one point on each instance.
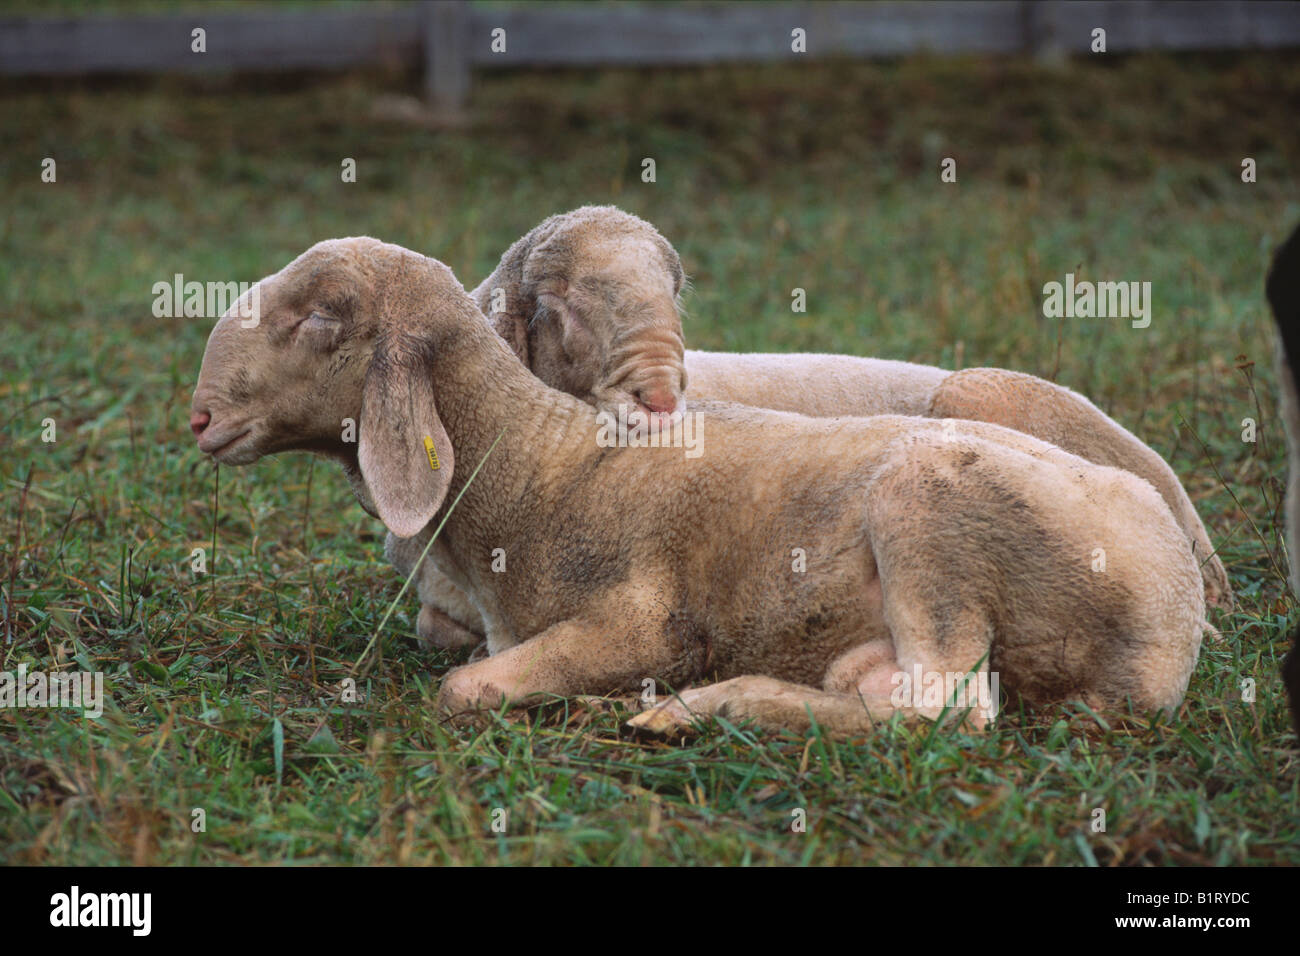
(666, 719)
(1219, 595)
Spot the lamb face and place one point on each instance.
(332, 363)
(282, 379)
(588, 300)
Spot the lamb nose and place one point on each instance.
(660, 401)
(198, 422)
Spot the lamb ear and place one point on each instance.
(674, 263)
(405, 456)
(505, 288)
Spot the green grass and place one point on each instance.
(822, 177)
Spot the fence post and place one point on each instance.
(446, 54)
(1042, 37)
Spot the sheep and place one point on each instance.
(588, 301)
(927, 547)
(1283, 289)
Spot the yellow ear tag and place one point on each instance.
(434, 463)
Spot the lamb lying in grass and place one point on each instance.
(588, 301)
(926, 547)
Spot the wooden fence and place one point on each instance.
(450, 38)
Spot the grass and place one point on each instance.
(823, 178)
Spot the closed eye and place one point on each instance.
(547, 304)
(319, 320)
(319, 331)
(550, 301)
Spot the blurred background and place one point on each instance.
(213, 141)
(794, 146)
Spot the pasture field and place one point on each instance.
(824, 178)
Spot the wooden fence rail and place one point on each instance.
(449, 38)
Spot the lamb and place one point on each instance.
(588, 301)
(928, 547)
